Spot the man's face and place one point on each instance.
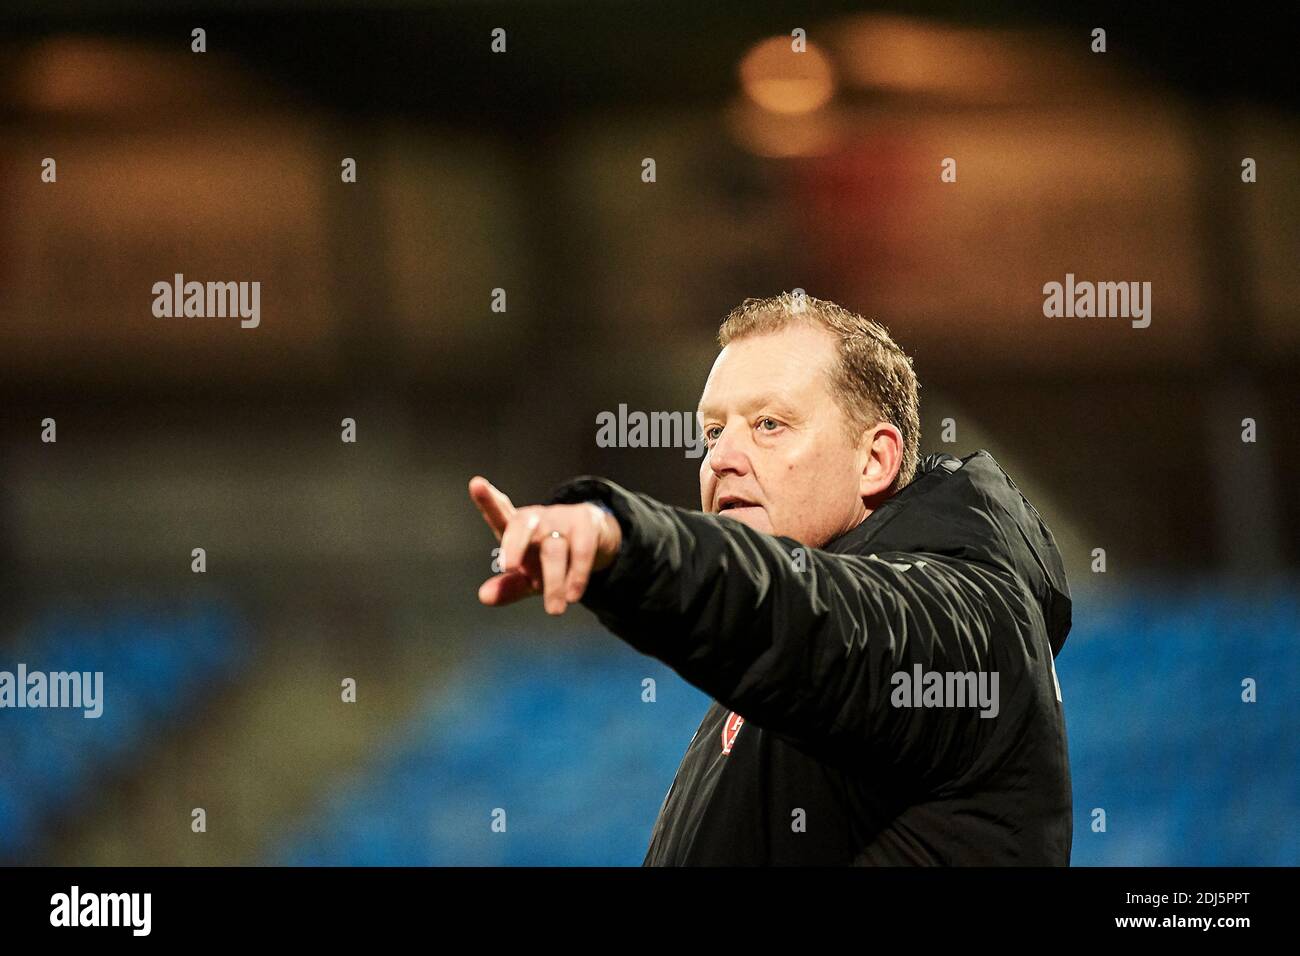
(777, 457)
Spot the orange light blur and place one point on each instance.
(777, 78)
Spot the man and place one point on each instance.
(878, 632)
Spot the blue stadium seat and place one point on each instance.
(152, 659)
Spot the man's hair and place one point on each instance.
(873, 379)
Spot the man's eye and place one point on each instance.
(711, 433)
(764, 422)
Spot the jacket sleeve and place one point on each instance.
(805, 643)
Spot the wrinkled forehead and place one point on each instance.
(787, 370)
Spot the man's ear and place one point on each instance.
(883, 449)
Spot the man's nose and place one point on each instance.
(728, 455)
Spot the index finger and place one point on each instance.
(494, 506)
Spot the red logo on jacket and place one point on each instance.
(729, 730)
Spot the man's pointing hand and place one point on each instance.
(545, 549)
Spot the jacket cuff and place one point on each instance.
(613, 586)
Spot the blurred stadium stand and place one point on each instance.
(561, 740)
(1187, 773)
(160, 664)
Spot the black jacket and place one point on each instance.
(807, 756)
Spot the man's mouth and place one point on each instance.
(734, 503)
